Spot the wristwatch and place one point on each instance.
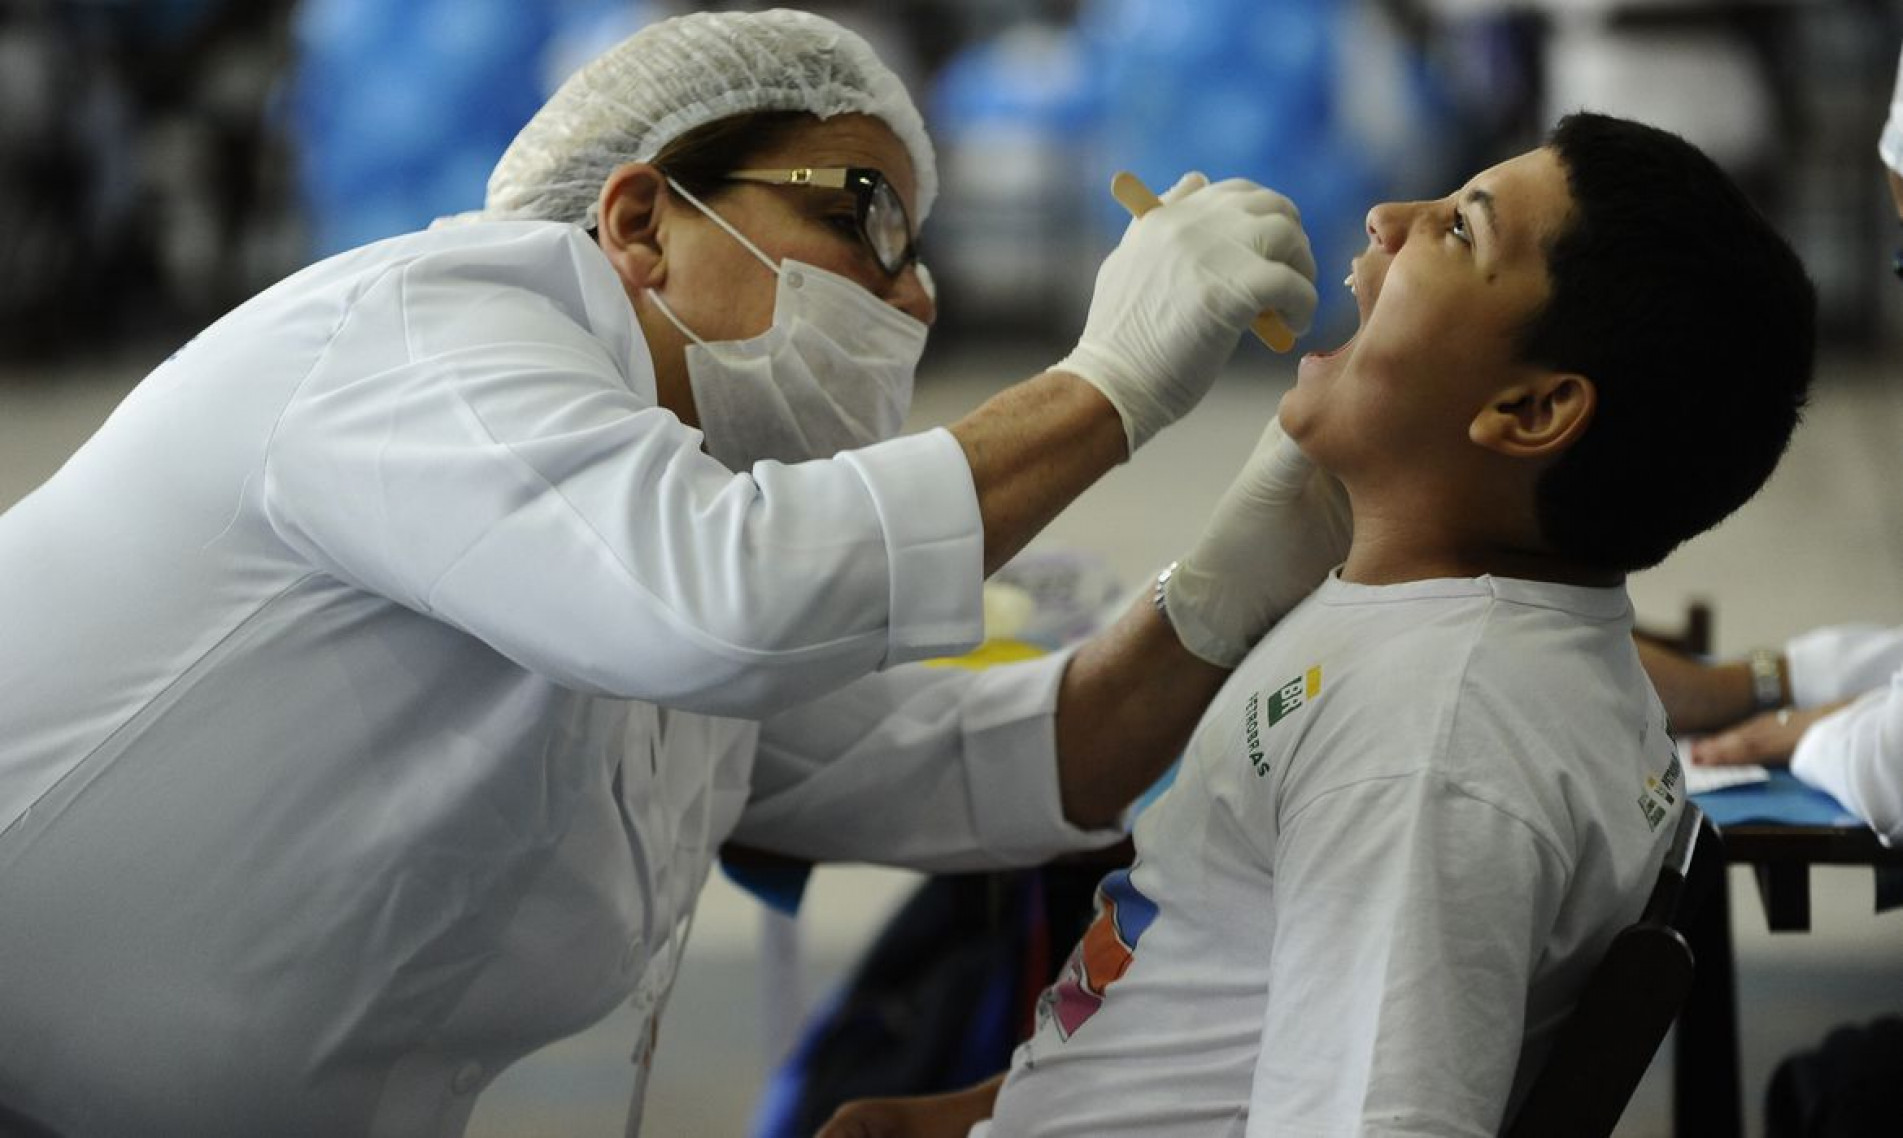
(1767, 679)
(1158, 598)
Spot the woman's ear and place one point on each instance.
(1538, 418)
(628, 224)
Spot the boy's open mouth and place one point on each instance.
(1334, 351)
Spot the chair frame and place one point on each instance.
(1629, 1002)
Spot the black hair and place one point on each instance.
(1696, 324)
(700, 159)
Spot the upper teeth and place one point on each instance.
(1349, 280)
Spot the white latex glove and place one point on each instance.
(1276, 533)
(1173, 297)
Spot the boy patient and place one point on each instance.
(1418, 812)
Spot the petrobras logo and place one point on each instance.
(1662, 792)
(1260, 714)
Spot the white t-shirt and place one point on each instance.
(1400, 838)
(1856, 754)
(378, 683)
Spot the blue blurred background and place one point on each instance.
(163, 159)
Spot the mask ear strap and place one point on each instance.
(724, 224)
(661, 306)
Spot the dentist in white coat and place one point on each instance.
(378, 683)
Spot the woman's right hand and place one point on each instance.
(1174, 296)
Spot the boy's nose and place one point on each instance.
(1388, 224)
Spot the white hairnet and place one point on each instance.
(675, 75)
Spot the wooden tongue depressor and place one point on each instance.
(1136, 197)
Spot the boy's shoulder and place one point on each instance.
(1427, 638)
(1446, 629)
(1455, 678)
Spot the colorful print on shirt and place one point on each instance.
(1101, 957)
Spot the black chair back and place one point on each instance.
(1629, 1001)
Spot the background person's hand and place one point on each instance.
(1174, 296)
(1698, 696)
(1768, 739)
(1276, 532)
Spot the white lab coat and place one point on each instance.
(1855, 755)
(379, 682)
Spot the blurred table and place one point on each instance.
(1780, 828)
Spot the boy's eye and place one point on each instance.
(1459, 228)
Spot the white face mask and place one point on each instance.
(832, 373)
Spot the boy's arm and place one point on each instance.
(923, 1116)
(1408, 920)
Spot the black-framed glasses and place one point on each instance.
(883, 223)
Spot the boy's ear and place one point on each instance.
(628, 223)
(1539, 417)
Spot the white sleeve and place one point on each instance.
(1856, 757)
(1842, 661)
(1402, 958)
(1890, 142)
(936, 768)
(503, 476)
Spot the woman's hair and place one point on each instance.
(1696, 324)
(674, 76)
(701, 158)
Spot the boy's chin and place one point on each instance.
(1296, 421)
